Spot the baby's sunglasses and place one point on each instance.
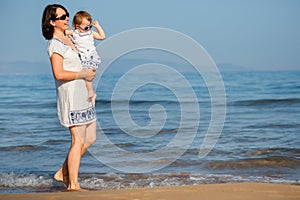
(86, 28)
(63, 17)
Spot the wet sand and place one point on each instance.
(230, 191)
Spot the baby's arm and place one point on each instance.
(99, 35)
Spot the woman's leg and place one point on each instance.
(78, 134)
(90, 136)
(62, 174)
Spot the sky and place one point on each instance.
(253, 34)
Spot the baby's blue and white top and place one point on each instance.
(84, 42)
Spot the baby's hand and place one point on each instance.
(95, 23)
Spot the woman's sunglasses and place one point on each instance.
(63, 17)
(86, 28)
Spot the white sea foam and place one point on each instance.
(35, 182)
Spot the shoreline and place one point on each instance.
(223, 191)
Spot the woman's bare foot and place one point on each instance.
(77, 190)
(74, 190)
(59, 176)
(73, 187)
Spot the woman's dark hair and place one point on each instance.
(49, 14)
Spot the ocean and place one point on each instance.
(259, 141)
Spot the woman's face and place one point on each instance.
(62, 24)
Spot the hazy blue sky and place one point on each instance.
(258, 34)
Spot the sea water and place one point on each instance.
(259, 141)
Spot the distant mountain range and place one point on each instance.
(231, 67)
(25, 67)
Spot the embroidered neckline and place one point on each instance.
(57, 39)
(83, 34)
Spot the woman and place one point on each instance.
(73, 109)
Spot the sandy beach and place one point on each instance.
(230, 191)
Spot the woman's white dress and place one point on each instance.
(73, 108)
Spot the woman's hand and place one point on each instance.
(90, 73)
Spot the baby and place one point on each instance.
(83, 37)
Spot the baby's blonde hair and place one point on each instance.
(77, 19)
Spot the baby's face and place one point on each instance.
(85, 25)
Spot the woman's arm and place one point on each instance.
(99, 35)
(64, 75)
